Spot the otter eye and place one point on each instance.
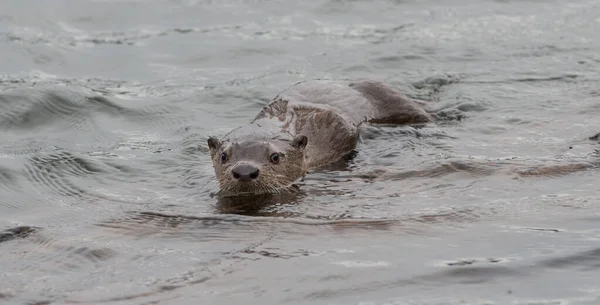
(224, 157)
(275, 158)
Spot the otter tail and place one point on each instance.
(391, 106)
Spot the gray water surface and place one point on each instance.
(106, 186)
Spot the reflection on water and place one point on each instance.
(259, 205)
(107, 193)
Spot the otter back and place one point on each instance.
(328, 113)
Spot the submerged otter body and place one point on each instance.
(309, 125)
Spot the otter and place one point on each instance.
(309, 125)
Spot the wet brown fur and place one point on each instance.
(311, 124)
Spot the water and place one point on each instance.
(106, 184)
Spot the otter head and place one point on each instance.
(253, 166)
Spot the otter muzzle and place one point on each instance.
(245, 172)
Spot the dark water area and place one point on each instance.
(106, 185)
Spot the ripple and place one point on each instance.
(432, 86)
(588, 260)
(62, 173)
(33, 108)
(471, 261)
(561, 78)
(217, 227)
(475, 166)
(41, 254)
(362, 264)
(377, 132)
(17, 232)
(53, 171)
(132, 37)
(449, 117)
(347, 34)
(21, 147)
(14, 193)
(80, 256)
(77, 103)
(555, 170)
(7, 178)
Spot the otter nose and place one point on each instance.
(245, 172)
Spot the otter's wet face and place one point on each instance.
(257, 166)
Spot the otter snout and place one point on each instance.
(245, 172)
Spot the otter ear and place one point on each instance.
(213, 143)
(300, 142)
